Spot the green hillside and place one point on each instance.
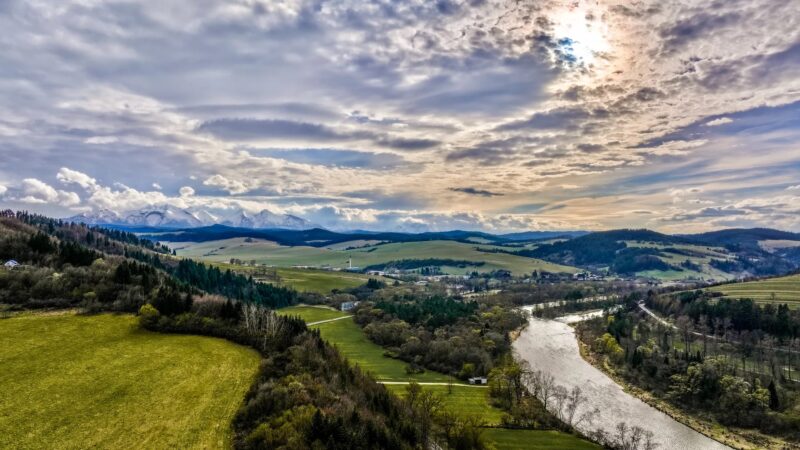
(771, 290)
(73, 381)
(270, 253)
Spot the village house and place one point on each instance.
(11, 264)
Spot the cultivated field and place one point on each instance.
(270, 253)
(71, 382)
(772, 290)
(352, 342)
(699, 255)
(505, 439)
(312, 314)
(467, 400)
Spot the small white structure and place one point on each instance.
(478, 380)
(11, 264)
(347, 306)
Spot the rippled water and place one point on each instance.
(551, 346)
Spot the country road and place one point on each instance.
(328, 320)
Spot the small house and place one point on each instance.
(11, 264)
(347, 306)
(478, 380)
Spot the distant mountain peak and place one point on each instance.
(167, 216)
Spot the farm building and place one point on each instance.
(478, 380)
(347, 306)
(11, 264)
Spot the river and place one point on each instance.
(551, 346)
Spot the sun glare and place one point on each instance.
(581, 38)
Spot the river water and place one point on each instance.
(551, 346)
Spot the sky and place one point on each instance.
(679, 116)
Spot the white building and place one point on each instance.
(11, 264)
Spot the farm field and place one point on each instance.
(100, 382)
(303, 280)
(467, 400)
(352, 342)
(270, 253)
(311, 314)
(505, 439)
(700, 255)
(784, 289)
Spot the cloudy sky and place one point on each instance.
(475, 114)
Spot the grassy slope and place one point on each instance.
(534, 439)
(265, 252)
(704, 257)
(786, 290)
(98, 381)
(352, 342)
(304, 280)
(312, 314)
(467, 400)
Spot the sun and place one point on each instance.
(581, 37)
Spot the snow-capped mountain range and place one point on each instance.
(171, 217)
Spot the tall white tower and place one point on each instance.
(350, 262)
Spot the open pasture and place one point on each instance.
(72, 382)
(270, 253)
(771, 290)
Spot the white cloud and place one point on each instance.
(38, 192)
(796, 187)
(186, 191)
(718, 122)
(157, 186)
(231, 186)
(3, 189)
(99, 140)
(69, 176)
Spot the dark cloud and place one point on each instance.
(559, 118)
(475, 191)
(261, 129)
(381, 199)
(678, 35)
(335, 157)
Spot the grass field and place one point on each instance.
(312, 314)
(352, 342)
(505, 439)
(72, 382)
(270, 253)
(701, 255)
(784, 289)
(467, 400)
(303, 280)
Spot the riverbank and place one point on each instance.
(732, 437)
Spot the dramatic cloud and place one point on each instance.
(474, 191)
(407, 115)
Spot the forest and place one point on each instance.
(734, 362)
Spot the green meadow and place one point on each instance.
(467, 400)
(311, 314)
(505, 439)
(72, 382)
(772, 290)
(270, 253)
